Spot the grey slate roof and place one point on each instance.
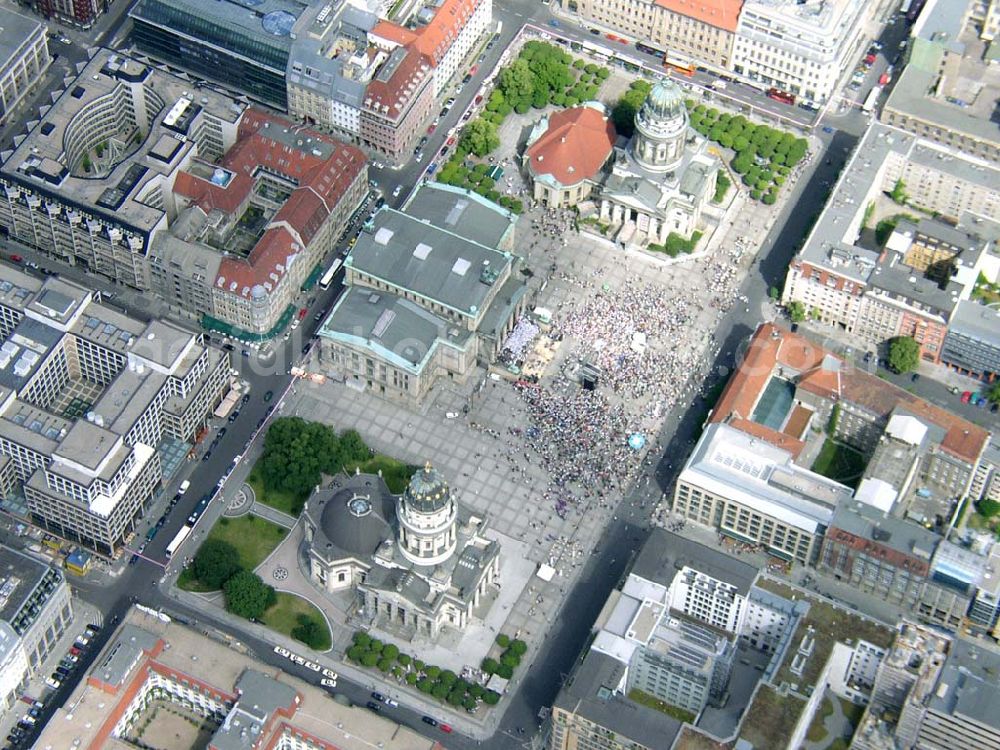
(400, 331)
(589, 694)
(14, 30)
(664, 554)
(121, 655)
(461, 211)
(864, 520)
(347, 528)
(28, 573)
(443, 266)
(968, 684)
(976, 321)
(260, 696)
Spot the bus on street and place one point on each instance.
(781, 96)
(871, 100)
(679, 65)
(178, 540)
(324, 283)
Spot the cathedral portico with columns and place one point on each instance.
(417, 562)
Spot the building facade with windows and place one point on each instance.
(434, 291)
(221, 210)
(362, 538)
(24, 59)
(152, 662)
(972, 343)
(913, 285)
(695, 33)
(230, 42)
(88, 469)
(80, 13)
(800, 48)
(752, 491)
(35, 610)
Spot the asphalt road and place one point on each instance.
(622, 537)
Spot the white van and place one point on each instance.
(184, 487)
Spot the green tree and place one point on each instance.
(491, 697)
(439, 691)
(362, 639)
(505, 671)
(384, 665)
(433, 671)
(510, 659)
(773, 293)
(215, 562)
(518, 647)
(309, 631)
(625, 109)
(455, 697)
(376, 646)
(517, 82)
(390, 651)
(247, 595)
(447, 677)
(489, 666)
(898, 192)
(904, 354)
(796, 311)
(426, 685)
(296, 452)
(993, 394)
(411, 678)
(469, 703)
(354, 653)
(503, 640)
(404, 659)
(369, 659)
(480, 137)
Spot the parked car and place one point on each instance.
(966, 396)
(429, 720)
(268, 396)
(373, 706)
(396, 191)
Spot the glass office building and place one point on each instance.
(243, 44)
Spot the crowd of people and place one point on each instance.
(640, 339)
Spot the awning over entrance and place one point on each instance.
(737, 536)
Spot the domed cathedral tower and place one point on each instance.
(661, 128)
(427, 519)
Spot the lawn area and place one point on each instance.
(852, 711)
(253, 537)
(655, 703)
(287, 502)
(395, 473)
(283, 617)
(816, 730)
(831, 625)
(840, 463)
(188, 582)
(771, 718)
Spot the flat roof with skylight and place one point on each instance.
(434, 263)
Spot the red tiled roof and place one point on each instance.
(393, 33)
(722, 14)
(263, 141)
(781, 440)
(389, 98)
(434, 39)
(769, 347)
(575, 146)
(772, 347)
